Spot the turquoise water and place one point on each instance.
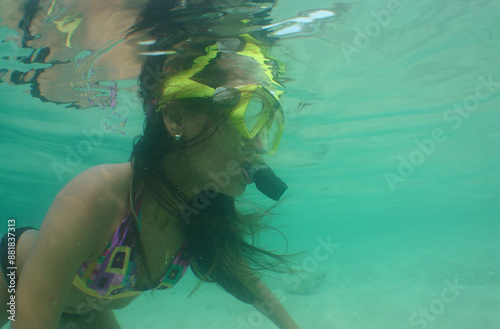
(391, 152)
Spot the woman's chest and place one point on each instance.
(161, 245)
(143, 250)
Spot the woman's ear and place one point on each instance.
(183, 125)
(172, 121)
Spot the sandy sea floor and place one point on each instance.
(375, 284)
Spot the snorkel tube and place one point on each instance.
(266, 180)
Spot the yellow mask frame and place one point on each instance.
(257, 114)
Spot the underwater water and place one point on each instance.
(392, 157)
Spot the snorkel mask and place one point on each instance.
(257, 115)
(254, 110)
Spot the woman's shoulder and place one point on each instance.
(88, 209)
(102, 189)
(116, 172)
(111, 180)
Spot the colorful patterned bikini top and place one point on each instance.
(113, 274)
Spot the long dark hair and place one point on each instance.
(220, 237)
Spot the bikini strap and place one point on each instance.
(136, 204)
(137, 214)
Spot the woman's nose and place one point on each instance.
(259, 143)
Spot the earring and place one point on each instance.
(177, 138)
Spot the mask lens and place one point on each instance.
(254, 115)
(259, 120)
(275, 131)
(261, 141)
(267, 139)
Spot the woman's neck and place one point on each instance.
(180, 172)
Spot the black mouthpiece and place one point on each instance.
(266, 181)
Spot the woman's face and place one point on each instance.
(217, 163)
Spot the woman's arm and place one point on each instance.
(75, 225)
(269, 305)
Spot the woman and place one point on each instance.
(119, 229)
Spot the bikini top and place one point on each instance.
(113, 275)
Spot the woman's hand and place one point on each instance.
(264, 296)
